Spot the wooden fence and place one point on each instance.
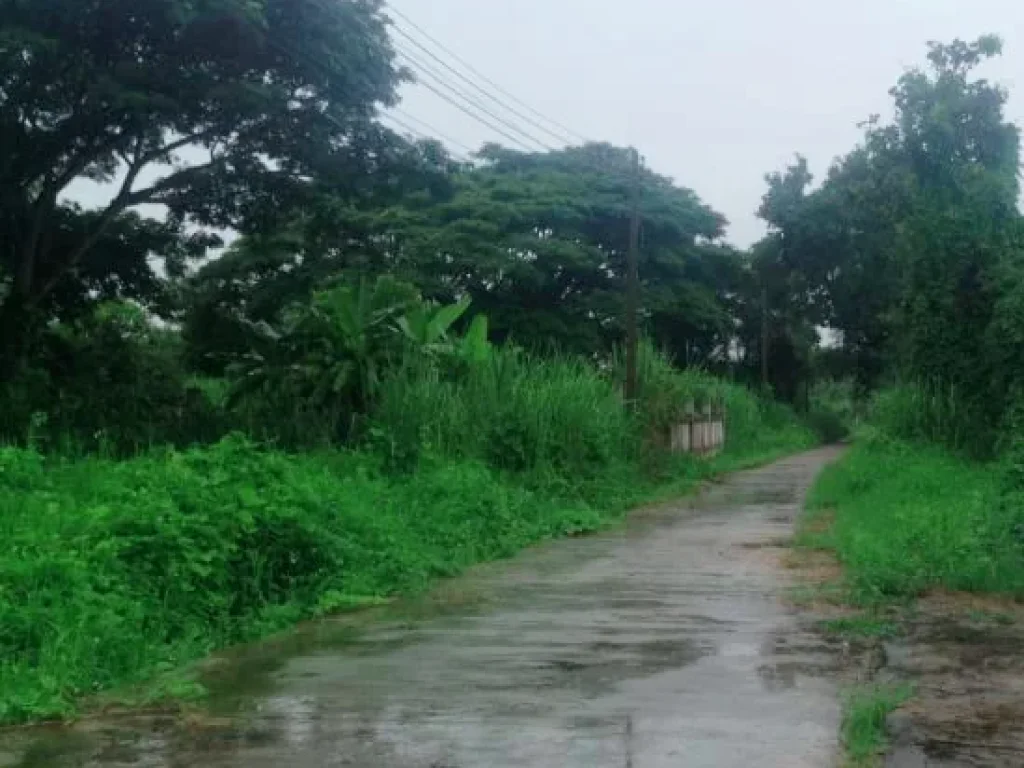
(702, 434)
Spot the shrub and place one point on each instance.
(114, 570)
(112, 383)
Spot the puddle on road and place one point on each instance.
(660, 644)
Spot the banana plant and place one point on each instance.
(332, 351)
(428, 326)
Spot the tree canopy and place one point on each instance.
(220, 110)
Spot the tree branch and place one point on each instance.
(117, 206)
(124, 200)
(184, 141)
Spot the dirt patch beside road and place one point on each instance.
(961, 654)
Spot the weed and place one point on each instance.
(864, 712)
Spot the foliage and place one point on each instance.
(536, 241)
(114, 570)
(832, 410)
(909, 519)
(331, 356)
(220, 110)
(933, 413)
(515, 411)
(909, 247)
(110, 382)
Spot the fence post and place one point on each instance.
(707, 443)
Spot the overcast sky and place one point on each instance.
(713, 94)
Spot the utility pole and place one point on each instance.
(764, 337)
(633, 286)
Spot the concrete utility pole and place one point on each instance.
(633, 286)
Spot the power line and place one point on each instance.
(482, 121)
(558, 137)
(427, 126)
(439, 81)
(288, 51)
(421, 136)
(484, 77)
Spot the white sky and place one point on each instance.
(714, 94)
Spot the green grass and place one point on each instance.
(908, 519)
(863, 728)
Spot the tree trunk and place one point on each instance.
(18, 326)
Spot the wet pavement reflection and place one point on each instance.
(664, 643)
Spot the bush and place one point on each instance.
(112, 383)
(828, 425)
(114, 570)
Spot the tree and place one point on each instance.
(220, 110)
(907, 248)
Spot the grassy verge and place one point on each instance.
(117, 572)
(909, 519)
(904, 520)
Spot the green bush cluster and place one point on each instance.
(114, 570)
(111, 383)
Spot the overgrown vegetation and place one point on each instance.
(909, 519)
(117, 569)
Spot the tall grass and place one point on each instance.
(936, 414)
(515, 412)
(522, 413)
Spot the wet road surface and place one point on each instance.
(665, 643)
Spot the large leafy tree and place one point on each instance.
(540, 242)
(904, 245)
(220, 110)
(330, 234)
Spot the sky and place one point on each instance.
(714, 95)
